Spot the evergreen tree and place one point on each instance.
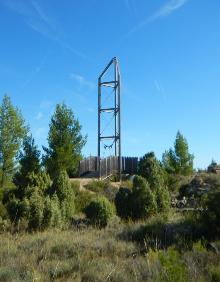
(179, 161)
(163, 199)
(143, 200)
(29, 160)
(12, 132)
(151, 169)
(123, 202)
(65, 142)
(36, 214)
(64, 191)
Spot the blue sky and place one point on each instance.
(53, 51)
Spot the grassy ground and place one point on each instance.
(99, 255)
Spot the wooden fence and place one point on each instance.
(88, 165)
(108, 166)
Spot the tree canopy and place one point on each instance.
(151, 169)
(29, 161)
(65, 142)
(179, 160)
(12, 132)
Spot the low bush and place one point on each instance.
(83, 198)
(160, 233)
(52, 213)
(123, 203)
(97, 185)
(109, 192)
(4, 225)
(173, 266)
(75, 186)
(99, 211)
(127, 183)
(143, 201)
(162, 199)
(215, 274)
(175, 182)
(138, 203)
(17, 209)
(211, 213)
(65, 193)
(36, 213)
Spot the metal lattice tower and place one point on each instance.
(115, 84)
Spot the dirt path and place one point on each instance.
(84, 181)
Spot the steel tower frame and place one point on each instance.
(116, 85)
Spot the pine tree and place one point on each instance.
(179, 160)
(12, 132)
(65, 142)
(151, 169)
(29, 161)
(143, 199)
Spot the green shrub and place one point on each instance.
(143, 200)
(39, 180)
(150, 168)
(173, 267)
(56, 220)
(67, 208)
(211, 213)
(64, 191)
(3, 211)
(153, 233)
(139, 203)
(97, 185)
(110, 192)
(99, 211)
(175, 182)
(162, 199)
(4, 225)
(61, 185)
(215, 274)
(83, 198)
(212, 179)
(123, 203)
(75, 186)
(127, 183)
(52, 213)
(17, 209)
(47, 213)
(36, 213)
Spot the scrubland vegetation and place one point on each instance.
(53, 230)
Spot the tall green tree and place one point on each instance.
(179, 160)
(29, 163)
(65, 142)
(12, 132)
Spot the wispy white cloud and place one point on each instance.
(91, 110)
(82, 80)
(40, 132)
(35, 71)
(157, 85)
(46, 105)
(39, 116)
(37, 19)
(131, 6)
(160, 89)
(167, 9)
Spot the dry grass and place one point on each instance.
(96, 255)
